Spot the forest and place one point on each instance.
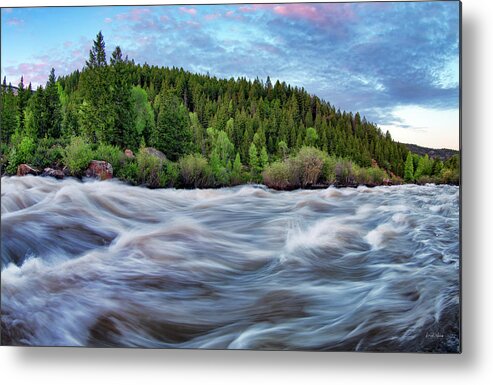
(166, 127)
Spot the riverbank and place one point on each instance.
(58, 174)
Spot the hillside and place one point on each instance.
(442, 153)
(234, 129)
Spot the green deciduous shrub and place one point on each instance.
(22, 152)
(311, 163)
(344, 173)
(194, 171)
(77, 155)
(149, 169)
(49, 153)
(280, 176)
(110, 154)
(128, 171)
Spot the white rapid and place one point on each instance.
(106, 264)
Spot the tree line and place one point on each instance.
(233, 130)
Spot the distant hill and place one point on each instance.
(442, 153)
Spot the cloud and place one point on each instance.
(367, 57)
(190, 11)
(317, 13)
(64, 60)
(212, 16)
(108, 20)
(35, 73)
(136, 14)
(15, 22)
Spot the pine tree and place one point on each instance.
(253, 161)
(97, 115)
(172, 134)
(23, 96)
(236, 172)
(9, 112)
(53, 107)
(409, 168)
(264, 158)
(97, 54)
(125, 134)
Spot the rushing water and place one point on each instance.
(106, 264)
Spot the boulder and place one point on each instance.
(99, 169)
(154, 152)
(129, 154)
(58, 174)
(24, 169)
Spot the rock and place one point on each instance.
(130, 154)
(24, 169)
(99, 169)
(58, 174)
(154, 152)
(66, 171)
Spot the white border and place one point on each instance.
(39, 366)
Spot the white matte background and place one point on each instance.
(39, 366)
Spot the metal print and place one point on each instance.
(242, 176)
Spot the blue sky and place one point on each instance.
(396, 63)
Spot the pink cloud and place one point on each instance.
(14, 21)
(64, 60)
(36, 73)
(163, 18)
(317, 13)
(77, 53)
(190, 11)
(267, 48)
(233, 15)
(212, 16)
(193, 24)
(246, 9)
(134, 15)
(108, 20)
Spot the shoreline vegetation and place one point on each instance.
(166, 127)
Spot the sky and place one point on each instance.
(396, 63)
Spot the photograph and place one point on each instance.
(262, 177)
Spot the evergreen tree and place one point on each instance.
(97, 54)
(97, 115)
(236, 172)
(253, 161)
(9, 112)
(23, 96)
(264, 158)
(124, 107)
(172, 134)
(53, 107)
(409, 168)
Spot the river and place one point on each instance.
(106, 264)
